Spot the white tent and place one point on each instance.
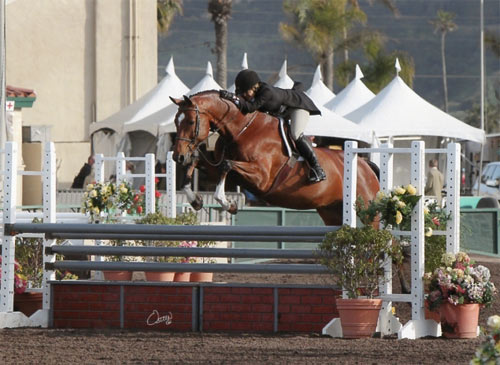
(330, 124)
(354, 95)
(206, 83)
(319, 92)
(284, 81)
(398, 111)
(244, 66)
(152, 101)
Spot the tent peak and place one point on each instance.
(244, 62)
(317, 75)
(209, 71)
(282, 72)
(398, 67)
(170, 69)
(359, 74)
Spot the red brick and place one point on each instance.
(216, 307)
(302, 291)
(311, 300)
(311, 318)
(288, 299)
(322, 309)
(217, 290)
(230, 298)
(240, 326)
(211, 298)
(300, 308)
(284, 291)
(90, 297)
(263, 291)
(241, 291)
(284, 318)
(67, 314)
(238, 307)
(110, 297)
(283, 308)
(212, 316)
(263, 326)
(231, 316)
(216, 326)
(254, 317)
(329, 300)
(262, 308)
(79, 323)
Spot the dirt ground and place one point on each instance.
(46, 346)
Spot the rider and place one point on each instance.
(253, 94)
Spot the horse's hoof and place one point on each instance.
(197, 204)
(233, 208)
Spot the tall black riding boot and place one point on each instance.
(304, 145)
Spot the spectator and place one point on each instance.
(85, 172)
(435, 181)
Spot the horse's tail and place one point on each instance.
(375, 168)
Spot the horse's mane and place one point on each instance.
(204, 92)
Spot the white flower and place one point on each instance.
(494, 322)
(400, 190)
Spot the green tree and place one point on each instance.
(165, 12)
(321, 27)
(221, 12)
(443, 24)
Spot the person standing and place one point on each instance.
(85, 172)
(435, 181)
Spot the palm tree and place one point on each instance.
(320, 26)
(221, 12)
(444, 24)
(165, 12)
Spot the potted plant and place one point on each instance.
(158, 218)
(122, 275)
(458, 289)
(489, 351)
(355, 257)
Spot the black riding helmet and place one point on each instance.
(245, 80)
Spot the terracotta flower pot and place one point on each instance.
(118, 275)
(358, 317)
(159, 276)
(28, 302)
(459, 321)
(201, 276)
(182, 276)
(435, 315)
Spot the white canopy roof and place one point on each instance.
(330, 124)
(398, 111)
(244, 66)
(354, 95)
(162, 121)
(284, 81)
(206, 83)
(154, 100)
(319, 92)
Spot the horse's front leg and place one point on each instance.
(220, 191)
(194, 199)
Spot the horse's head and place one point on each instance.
(193, 126)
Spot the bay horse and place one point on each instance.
(252, 147)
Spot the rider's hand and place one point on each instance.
(224, 94)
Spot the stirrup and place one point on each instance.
(315, 176)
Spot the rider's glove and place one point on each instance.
(224, 94)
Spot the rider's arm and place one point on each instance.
(258, 103)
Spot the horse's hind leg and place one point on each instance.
(220, 191)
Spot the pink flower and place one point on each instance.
(435, 220)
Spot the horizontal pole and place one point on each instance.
(184, 237)
(181, 251)
(174, 267)
(13, 229)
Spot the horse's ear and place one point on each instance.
(187, 100)
(176, 101)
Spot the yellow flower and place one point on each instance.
(123, 189)
(90, 187)
(399, 217)
(93, 194)
(428, 231)
(400, 190)
(448, 258)
(411, 189)
(401, 204)
(380, 195)
(426, 210)
(494, 322)
(96, 210)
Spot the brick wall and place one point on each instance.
(192, 306)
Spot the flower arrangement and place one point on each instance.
(356, 256)
(98, 198)
(138, 205)
(489, 351)
(20, 281)
(459, 281)
(107, 197)
(392, 209)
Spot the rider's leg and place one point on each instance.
(299, 119)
